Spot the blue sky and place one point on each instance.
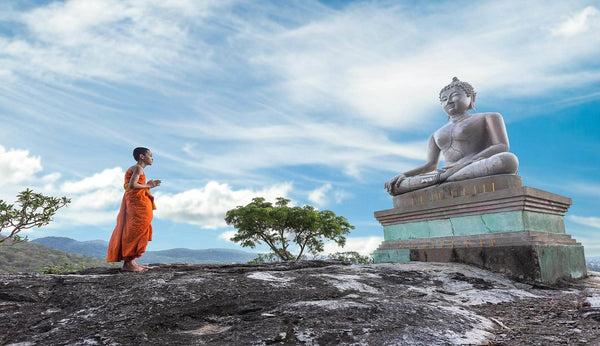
(320, 102)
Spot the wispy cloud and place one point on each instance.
(253, 145)
(227, 235)
(112, 40)
(587, 188)
(576, 24)
(318, 196)
(586, 221)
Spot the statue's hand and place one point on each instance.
(394, 182)
(457, 166)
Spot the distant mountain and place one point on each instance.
(197, 256)
(31, 257)
(92, 248)
(98, 248)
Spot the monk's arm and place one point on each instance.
(135, 176)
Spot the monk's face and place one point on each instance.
(455, 101)
(147, 158)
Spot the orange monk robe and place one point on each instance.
(133, 230)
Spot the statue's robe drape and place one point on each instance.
(133, 231)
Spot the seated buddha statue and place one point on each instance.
(473, 145)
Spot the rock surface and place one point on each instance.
(310, 302)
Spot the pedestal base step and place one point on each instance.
(537, 261)
(482, 240)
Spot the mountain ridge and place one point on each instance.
(32, 257)
(98, 249)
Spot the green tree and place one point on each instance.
(351, 257)
(280, 225)
(33, 210)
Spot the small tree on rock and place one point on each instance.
(278, 225)
(34, 210)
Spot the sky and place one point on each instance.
(320, 102)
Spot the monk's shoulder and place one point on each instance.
(136, 169)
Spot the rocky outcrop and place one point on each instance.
(309, 302)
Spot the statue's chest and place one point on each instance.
(453, 134)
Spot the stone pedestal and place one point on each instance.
(494, 222)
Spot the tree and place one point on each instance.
(278, 225)
(34, 210)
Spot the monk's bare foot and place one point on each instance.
(135, 270)
(131, 266)
(142, 266)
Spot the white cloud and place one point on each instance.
(586, 221)
(227, 235)
(68, 218)
(318, 196)
(340, 196)
(71, 18)
(577, 23)
(363, 245)
(90, 197)
(98, 199)
(324, 195)
(95, 200)
(17, 166)
(51, 178)
(206, 207)
(108, 178)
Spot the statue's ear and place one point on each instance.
(472, 105)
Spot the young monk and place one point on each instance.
(133, 230)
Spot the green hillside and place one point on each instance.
(32, 257)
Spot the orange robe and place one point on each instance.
(133, 231)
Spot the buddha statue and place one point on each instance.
(473, 145)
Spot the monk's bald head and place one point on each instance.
(139, 151)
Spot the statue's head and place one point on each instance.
(466, 87)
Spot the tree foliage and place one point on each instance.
(351, 257)
(280, 225)
(32, 210)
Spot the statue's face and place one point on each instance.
(455, 101)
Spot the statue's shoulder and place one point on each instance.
(488, 116)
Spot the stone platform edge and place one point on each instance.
(538, 262)
(439, 201)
